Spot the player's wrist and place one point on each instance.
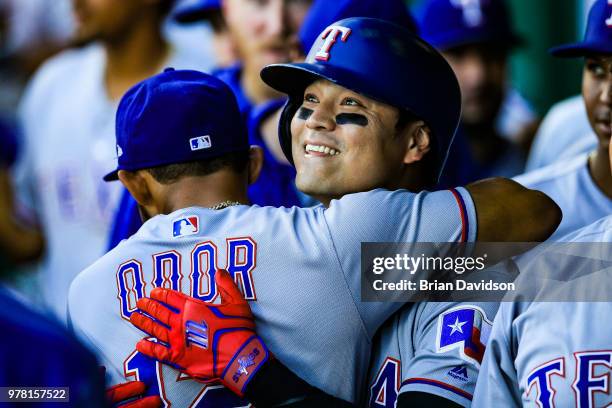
(244, 365)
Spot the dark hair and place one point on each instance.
(171, 173)
(405, 117)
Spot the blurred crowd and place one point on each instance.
(65, 65)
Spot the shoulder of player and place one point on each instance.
(599, 231)
(553, 173)
(566, 110)
(102, 267)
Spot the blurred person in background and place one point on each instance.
(30, 32)
(67, 118)
(264, 32)
(193, 11)
(476, 38)
(19, 242)
(582, 185)
(38, 352)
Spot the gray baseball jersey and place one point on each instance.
(571, 186)
(430, 347)
(300, 268)
(553, 354)
(565, 132)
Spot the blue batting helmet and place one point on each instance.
(380, 60)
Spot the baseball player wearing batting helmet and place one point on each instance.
(180, 144)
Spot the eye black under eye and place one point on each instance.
(351, 119)
(304, 113)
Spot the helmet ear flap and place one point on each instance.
(284, 125)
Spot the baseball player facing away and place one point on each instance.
(183, 154)
(582, 186)
(535, 360)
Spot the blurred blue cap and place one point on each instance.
(177, 117)
(452, 23)
(189, 11)
(325, 12)
(598, 35)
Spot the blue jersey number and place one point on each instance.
(384, 390)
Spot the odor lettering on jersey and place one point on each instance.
(195, 277)
(203, 263)
(587, 380)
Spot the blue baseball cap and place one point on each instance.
(598, 35)
(189, 11)
(177, 117)
(323, 13)
(452, 23)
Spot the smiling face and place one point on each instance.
(597, 94)
(344, 142)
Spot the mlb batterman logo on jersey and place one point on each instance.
(466, 328)
(185, 226)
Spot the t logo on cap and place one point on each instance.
(330, 35)
(472, 14)
(609, 20)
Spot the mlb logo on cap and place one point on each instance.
(185, 226)
(200, 142)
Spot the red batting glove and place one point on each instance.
(208, 342)
(118, 396)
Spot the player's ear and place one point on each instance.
(256, 158)
(418, 141)
(137, 185)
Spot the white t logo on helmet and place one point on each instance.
(609, 20)
(330, 35)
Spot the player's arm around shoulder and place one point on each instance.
(508, 212)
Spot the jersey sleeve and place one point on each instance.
(394, 216)
(498, 383)
(447, 343)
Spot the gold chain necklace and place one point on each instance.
(225, 204)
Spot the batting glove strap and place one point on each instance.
(247, 361)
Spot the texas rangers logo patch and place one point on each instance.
(189, 225)
(465, 328)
